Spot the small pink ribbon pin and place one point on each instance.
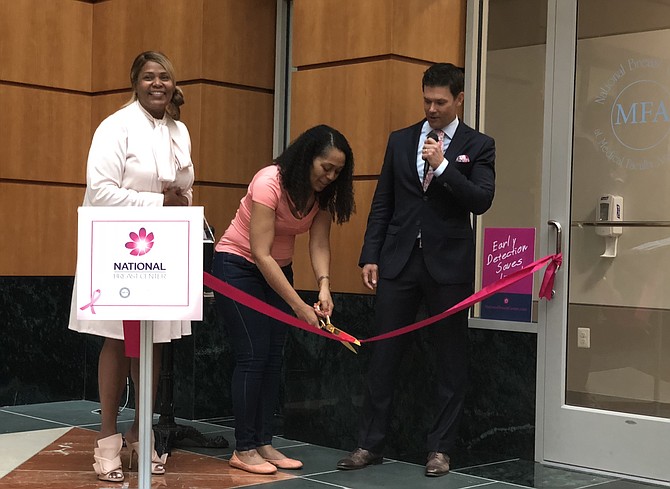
(94, 298)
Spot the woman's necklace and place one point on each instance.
(298, 214)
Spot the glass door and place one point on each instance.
(604, 341)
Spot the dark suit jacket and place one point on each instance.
(400, 208)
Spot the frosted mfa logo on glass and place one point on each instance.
(639, 115)
(141, 242)
(629, 118)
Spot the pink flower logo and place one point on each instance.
(141, 242)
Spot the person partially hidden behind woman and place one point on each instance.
(308, 187)
(139, 156)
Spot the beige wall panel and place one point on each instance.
(236, 134)
(124, 28)
(622, 17)
(238, 41)
(511, 27)
(44, 217)
(220, 204)
(364, 101)
(46, 43)
(346, 242)
(45, 134)
(416, 22)
(334, 30)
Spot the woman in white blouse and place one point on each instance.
(139, 156)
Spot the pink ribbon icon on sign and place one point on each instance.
(94, 298)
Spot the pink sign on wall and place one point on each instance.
(507, 250)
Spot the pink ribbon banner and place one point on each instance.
(553, 262)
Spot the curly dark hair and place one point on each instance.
(295, 164)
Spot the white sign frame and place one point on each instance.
(140, 263)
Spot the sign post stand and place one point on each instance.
(140, 263)
(145, 404)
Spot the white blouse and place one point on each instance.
(133, 158)
(129, 160)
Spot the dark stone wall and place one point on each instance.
(42, 361)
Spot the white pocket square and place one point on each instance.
(462, 159)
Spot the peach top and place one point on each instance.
(266, 189)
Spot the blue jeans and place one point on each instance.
(258, 344)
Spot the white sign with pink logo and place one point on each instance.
(140, 263)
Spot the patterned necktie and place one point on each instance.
(429, 174)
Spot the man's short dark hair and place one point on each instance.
(444, 75)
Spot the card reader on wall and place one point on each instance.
(610, 208)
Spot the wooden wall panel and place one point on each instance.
(86, 48)
(406, 98)
(335, 30)
(220, 205)
(364, 101)
(46, 43)
(191, 115)
(346, 242)
(42, 223)
(417, 22)
(236, 136)
(238, 42)
(45, 134)
(328, 31)
(354, 99)
(124, 28)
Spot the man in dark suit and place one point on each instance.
(418, 247)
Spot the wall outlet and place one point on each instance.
(583, 337)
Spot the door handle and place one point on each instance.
(559, 235)
(559, 243)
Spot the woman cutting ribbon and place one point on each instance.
(308, 186)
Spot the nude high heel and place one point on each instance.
(157, 463)
(107, 455)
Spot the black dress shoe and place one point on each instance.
(358, 459)
(437, 464)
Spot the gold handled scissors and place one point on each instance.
(348, 339)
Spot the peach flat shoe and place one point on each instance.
(264, 469)
(286, 463)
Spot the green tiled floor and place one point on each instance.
(319, 462)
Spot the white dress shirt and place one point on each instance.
(449, 132)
